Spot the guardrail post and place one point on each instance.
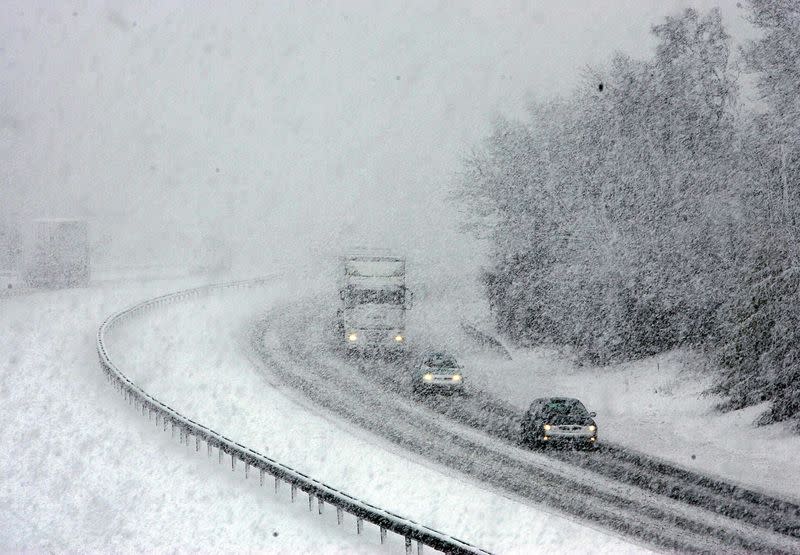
(320, 504)
(359, 525)
(197, 444)
(339, 516)
(209, 448)
(246, 469)
(233, 462)
(220, 453)
(383, 535)
(261, 477)
(310, 501)
(408, 545)
(277, 483)
(173, 430)
(419, 547)
(294, 492)
(165, 423)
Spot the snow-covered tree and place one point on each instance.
(760, 331)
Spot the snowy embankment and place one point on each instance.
(656, 405)
(82, 471)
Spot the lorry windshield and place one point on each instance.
(374, 296)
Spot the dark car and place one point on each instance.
(437, 371)
(559, 420)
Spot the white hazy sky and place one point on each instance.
(283, 129)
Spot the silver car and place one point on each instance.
(437, 371)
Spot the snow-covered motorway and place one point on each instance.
(646, 499)
(191, 355)
(107, 478)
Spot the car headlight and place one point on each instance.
(398, 338)
(547, 426)
(592, 428)
(353, 337)
(456, 377)
(428, 377)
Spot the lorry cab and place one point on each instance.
(374, 301)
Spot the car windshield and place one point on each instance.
(441, 361)
(565, 407)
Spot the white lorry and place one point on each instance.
(372, 318)
(56, 253)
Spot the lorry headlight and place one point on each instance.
(428, 377)
(352, 337)
(592, 428)
(398, 338)
(547, 426)
(456, 377)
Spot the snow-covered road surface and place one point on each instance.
(191, 355)
(674, 511)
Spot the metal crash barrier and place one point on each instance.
(168, 419)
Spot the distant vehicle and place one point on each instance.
(558, 420)
(56, 253)
(437, 371)
(374, 297)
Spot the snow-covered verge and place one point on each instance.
(190, 355)
(81, 471)
(656, 405)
